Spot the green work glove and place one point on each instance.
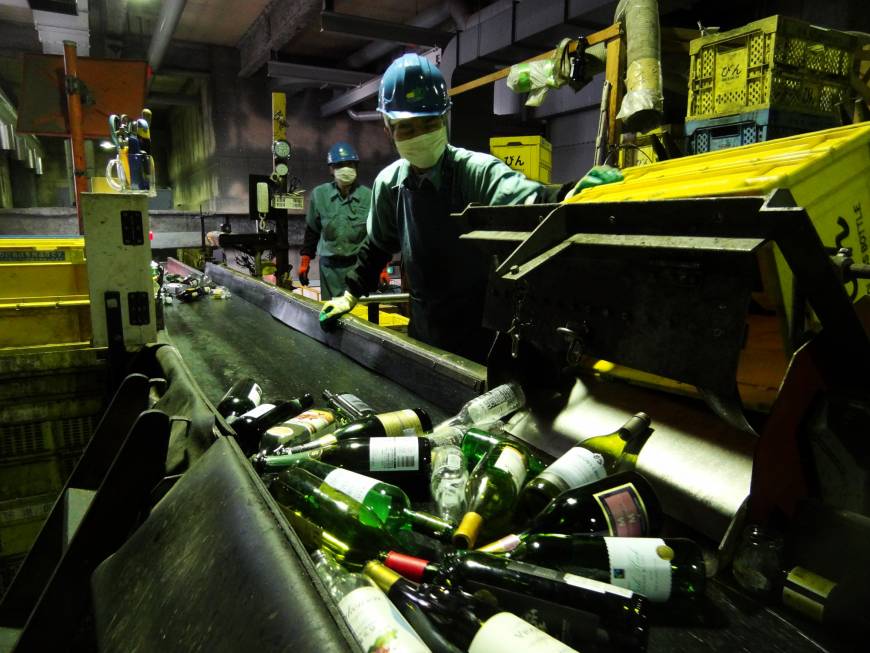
(335, 308)
(597, 176)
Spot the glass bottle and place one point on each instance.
(374, 621)
(585, 462)
(387, 502)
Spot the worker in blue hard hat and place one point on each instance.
(412, 200)
(335, 222)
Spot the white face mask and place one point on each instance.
(424, 151)
(344, 176)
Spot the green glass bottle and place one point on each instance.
(402, 461)
(657, 568)
(491, 493)
(476, 443)
(410, 422)
(588, 461)
(388, 502)
(345, 519)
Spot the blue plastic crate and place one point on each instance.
(747, 128)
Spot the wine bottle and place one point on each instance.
(387, 502)
(250, 426)
(402, 461)
(244, 395)
(491, 493)
(622, 505)
(352, 527)
(656, 568)
(448, 481)
(296, 430)
(411, 422)
(476, 443)
(374, 621)
(571, 625)
(488, 407)
(842, 606)
(588, 461)
(623, 613)
(349, 407)
(462, 616)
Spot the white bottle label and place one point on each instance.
(262, 409)
(377, 624)
(394, 454)
(506, 633)
(255, 394)
(494, 404)
(576, 467)
(352, 484)
(514, 463)
(641, 564)
(596, 585)
(312, 420)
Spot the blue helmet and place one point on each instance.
(413, 87)
(341, 152)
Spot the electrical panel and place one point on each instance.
(118, 252)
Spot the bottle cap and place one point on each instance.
(465, 536)
(384, 577)
(409, 566)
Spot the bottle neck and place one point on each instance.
(418, 570)
(428, 524)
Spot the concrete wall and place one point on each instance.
(216, 145)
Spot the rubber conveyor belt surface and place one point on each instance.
(222, 341)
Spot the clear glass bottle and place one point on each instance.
(449, 477)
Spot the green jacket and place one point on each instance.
(339, 223)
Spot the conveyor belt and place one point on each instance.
(222, 341)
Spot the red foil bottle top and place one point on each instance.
(409, 566)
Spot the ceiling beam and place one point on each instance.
(363, 92)
(279, 24)
(381, 30)
(298, 72)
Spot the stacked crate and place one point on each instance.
(772, 78)
(49, 405)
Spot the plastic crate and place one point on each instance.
(637, 149)
(20, 522)
(748, 128)
(777, 62)
(531, 155)
(43, 293)
(827, 172)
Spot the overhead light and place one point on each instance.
(107, 145)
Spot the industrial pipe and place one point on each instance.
(74, 114)
(643, 102)
(170, 14)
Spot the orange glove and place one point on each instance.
(304, 264)
(385, 277)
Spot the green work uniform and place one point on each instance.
(411, 214)
(340, 226)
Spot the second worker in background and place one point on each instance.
(335, 222)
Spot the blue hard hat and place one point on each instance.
(413, 87)
(341, 152)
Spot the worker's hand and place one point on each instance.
(384, 278)
(335, 308)
(597, 176)
(304, 264)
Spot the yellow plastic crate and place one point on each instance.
(531, 155)
(637, 149)
(43, 293)
(777, 62)
(827, 172)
